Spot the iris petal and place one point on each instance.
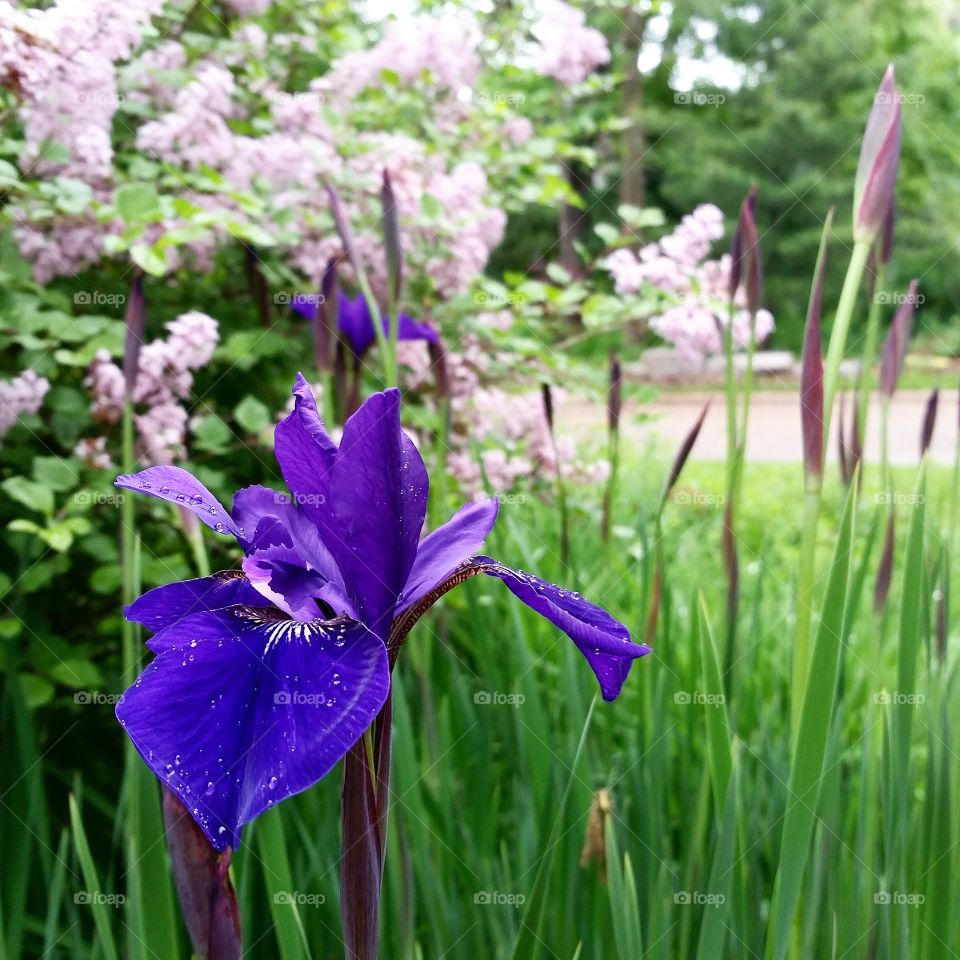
(160, 607)
(305, 452)
(247, 709)
(604, 642)
(442, 551)
(182, 488)
(379, 494)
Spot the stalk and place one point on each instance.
(814, 483)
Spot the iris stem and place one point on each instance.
(866, 385)
(814, 483)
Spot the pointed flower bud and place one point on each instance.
(929, 422)
(135, 320)
(738, 245)
(811, 370)
(897, 343)
(879, 158)
(614, 395)
(391, 234)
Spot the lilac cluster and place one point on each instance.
(697, 288)
(567, 49)
(23, 394)
(481, 411)
(297, 152)
(62, 63)
(443, 48)
(164, 379)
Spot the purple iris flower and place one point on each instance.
(266, 675)
(356, 325)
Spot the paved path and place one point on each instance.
(774, 432)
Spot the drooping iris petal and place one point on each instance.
(247, 709)
(379, 495)
(442, 551)
(605, 642)
(306, 307)
(305, 452)
(356, 325)
(185, 490)
(164, 605)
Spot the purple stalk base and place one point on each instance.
(207, 898)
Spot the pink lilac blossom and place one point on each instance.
(195, 132)
(518, 130)
(567, 49)
(249, 8)
(520, 449)
(444, 48)
(677, 266)
(22, 395)
(164, 378)
(61, 63)
(93, 452)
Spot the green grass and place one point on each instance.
(723, 843)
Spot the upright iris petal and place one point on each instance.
(266, 676)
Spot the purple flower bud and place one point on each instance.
(879, 158)
(614, 395)
(136, 321)
(885, 570)
(391, 234)
(748, 209)
(207, 898)
(929, 422)
(811, 370)
(897, 343)
(684, 452)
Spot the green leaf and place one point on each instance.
(148, 260)
(211, 434)
(37, 691)
(252, 414)
(29, 493)
(136, 201)
(56, 473)
(76, 674)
